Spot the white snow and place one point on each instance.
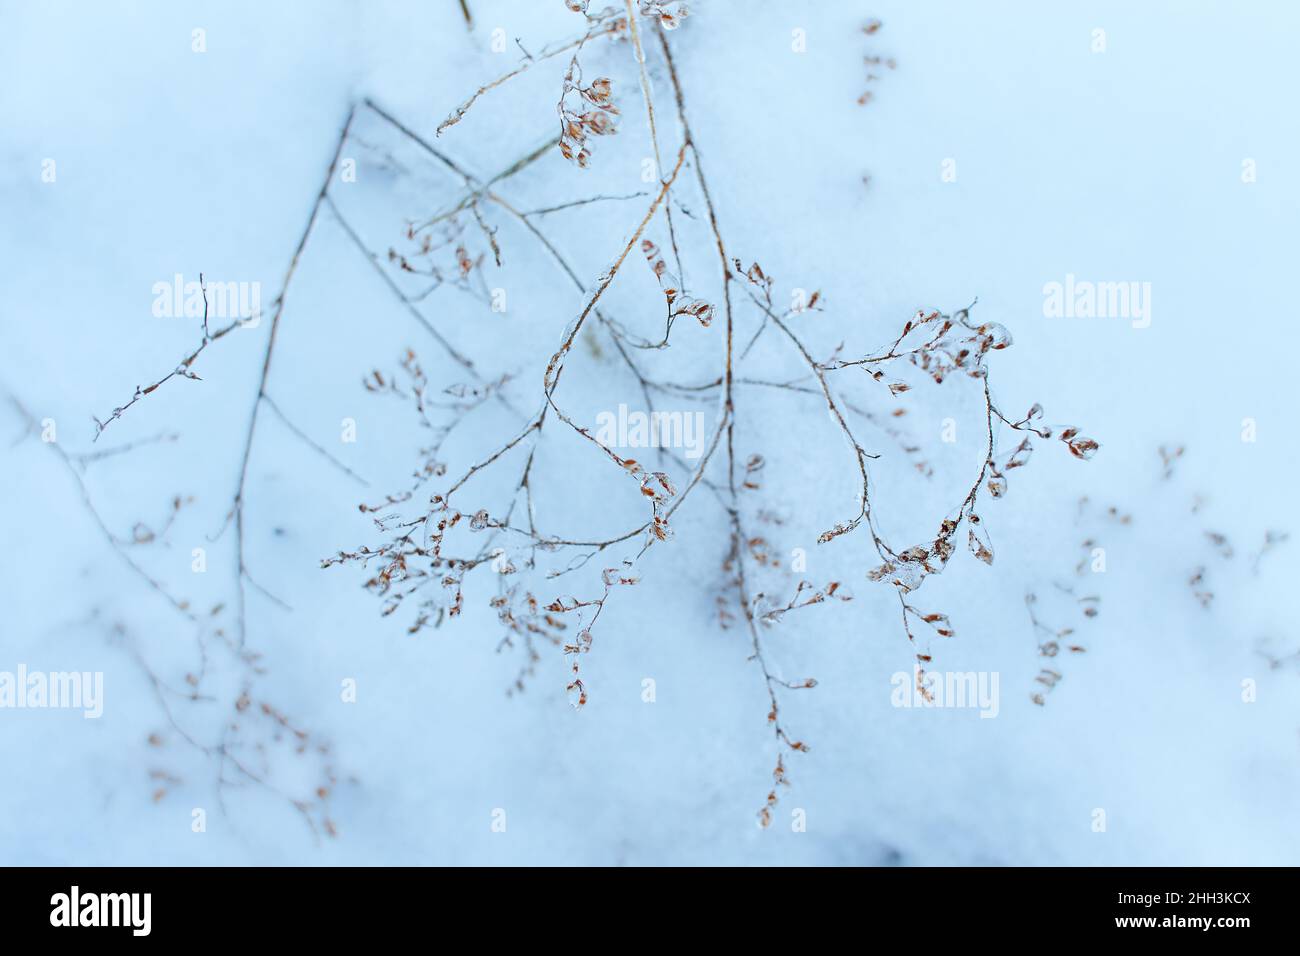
(1124, 165)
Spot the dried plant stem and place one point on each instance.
(183, 369)
(940, 355)
(237, 508)
(224, 751)
(601, 24)
(645, 82)
(118, 545)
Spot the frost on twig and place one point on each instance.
(437, 540)
(605, 23)
(584, 111)
(549, 587)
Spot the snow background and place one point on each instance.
(1113, 166)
